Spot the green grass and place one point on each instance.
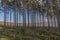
(3, 37)
(29, 34)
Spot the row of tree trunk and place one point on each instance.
(34, 16)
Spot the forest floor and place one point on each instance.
(28, 34)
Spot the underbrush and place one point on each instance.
(30, 34)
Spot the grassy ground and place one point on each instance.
(28, 34)
(3, 37)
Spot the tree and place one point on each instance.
(58, 15)
(14, 5)
(34, 5)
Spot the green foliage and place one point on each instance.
(23, 30)
(30, 34)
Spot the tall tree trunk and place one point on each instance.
(32, 19)
(42, 25)
(10, 16)
(4, 17)
(58, 16)
(47, 12)
(28, 15)
(58, 20)
(40, 19)
(7, 19)
(24, 18)
(14, 18)
(17, 17)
